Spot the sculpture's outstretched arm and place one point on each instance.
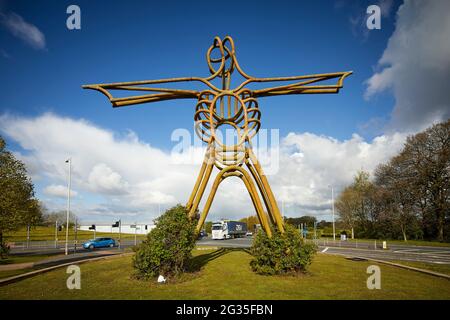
(307, 84)
(156, 94)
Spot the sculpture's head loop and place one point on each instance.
(220, 58)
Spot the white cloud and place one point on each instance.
(145, 196)
(132, 178)
(416, 66)
(386, 7)
(23, 30)
(103, 164)
(103, 179)
(311, 163)
(59, 191)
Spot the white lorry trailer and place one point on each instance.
(226, 229)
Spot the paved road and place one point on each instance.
(439, 255)
(60, 259)
(230, 243)
(415, 255)
(45, 248)
(367, 249)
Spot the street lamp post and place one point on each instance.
(76, 236)
(28, 236)
(120, 231)
(56, 234)
(69, 161)
(135, 233)
(332, 204)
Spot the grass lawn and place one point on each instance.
(48, 234)
(25, 258)
(20, 259)
(441, 268)
(226, 274)
(10, 273)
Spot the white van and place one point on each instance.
(226, 229)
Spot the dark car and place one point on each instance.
(99, 243)
(202, 234)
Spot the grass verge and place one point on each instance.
(226, 274)
(48, 234)
(440, 268)
(20, 259)
(13, 259)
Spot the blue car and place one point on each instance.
(99, 243)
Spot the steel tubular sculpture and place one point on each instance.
(233, 107)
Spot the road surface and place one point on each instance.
(366, 249)
(438, 255)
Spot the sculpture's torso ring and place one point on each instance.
(237, 113)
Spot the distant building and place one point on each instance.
(125, 228)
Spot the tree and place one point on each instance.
(416, 184)
(18, 207)
(35, 214)
(428, 155)
(324, 224)
(347, 206)
(410, 195)
(355, 206)
(306, 220)
(366, 213)
(394, 197)
(208, 227)
(168, 246)
(251, 221)
(49, 219)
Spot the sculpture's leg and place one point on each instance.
(251, 189)
(257, 202)
(262, 191)
(267, 190)
(199, 178)
(204, 182)
(212, 193)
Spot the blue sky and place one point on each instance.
(144, 40)
(138, 40)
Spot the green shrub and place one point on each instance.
(4, 250)
(167, 247)
(281, 254)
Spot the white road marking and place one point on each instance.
(406, 250)
(325, 250)
(439, 252)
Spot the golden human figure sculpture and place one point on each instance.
(233, 107)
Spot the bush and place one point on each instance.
(4, 250)
(167, 247)
(282, 254)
